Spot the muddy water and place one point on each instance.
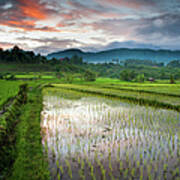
(96, 138)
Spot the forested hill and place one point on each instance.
(119, 54)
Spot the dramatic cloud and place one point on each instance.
(24, 14)
(50, 25)
(167, 25)
(52, 44)
(135, 4)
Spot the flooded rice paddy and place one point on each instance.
(103, 139)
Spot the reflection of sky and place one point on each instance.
(90, 124)
(47, 26)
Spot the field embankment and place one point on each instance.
(9, 118)
(21, 150)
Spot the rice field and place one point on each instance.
(90, 137)
(169, 98)
(164, 90)
(151, 99)
(8, 89)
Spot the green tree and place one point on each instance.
(172, 81)
(127, 75)
(1, 76)
(76, 60)
(175, 63)
(89, 76)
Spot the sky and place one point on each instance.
(46, 26)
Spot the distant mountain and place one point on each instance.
(120, 54)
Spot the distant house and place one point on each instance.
(151, 79)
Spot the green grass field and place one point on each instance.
(34, 76)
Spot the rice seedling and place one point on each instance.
(92, 172)
(69, 168)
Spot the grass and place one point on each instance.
(159, 90)
(30, 162)
(34, 76)
(110, 81)
(164, 89)
(8, 121)
(8, 90)
(21, 153)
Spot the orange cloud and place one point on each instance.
(32, 9)
(25, 14)
(18, 23)
(29, 26)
